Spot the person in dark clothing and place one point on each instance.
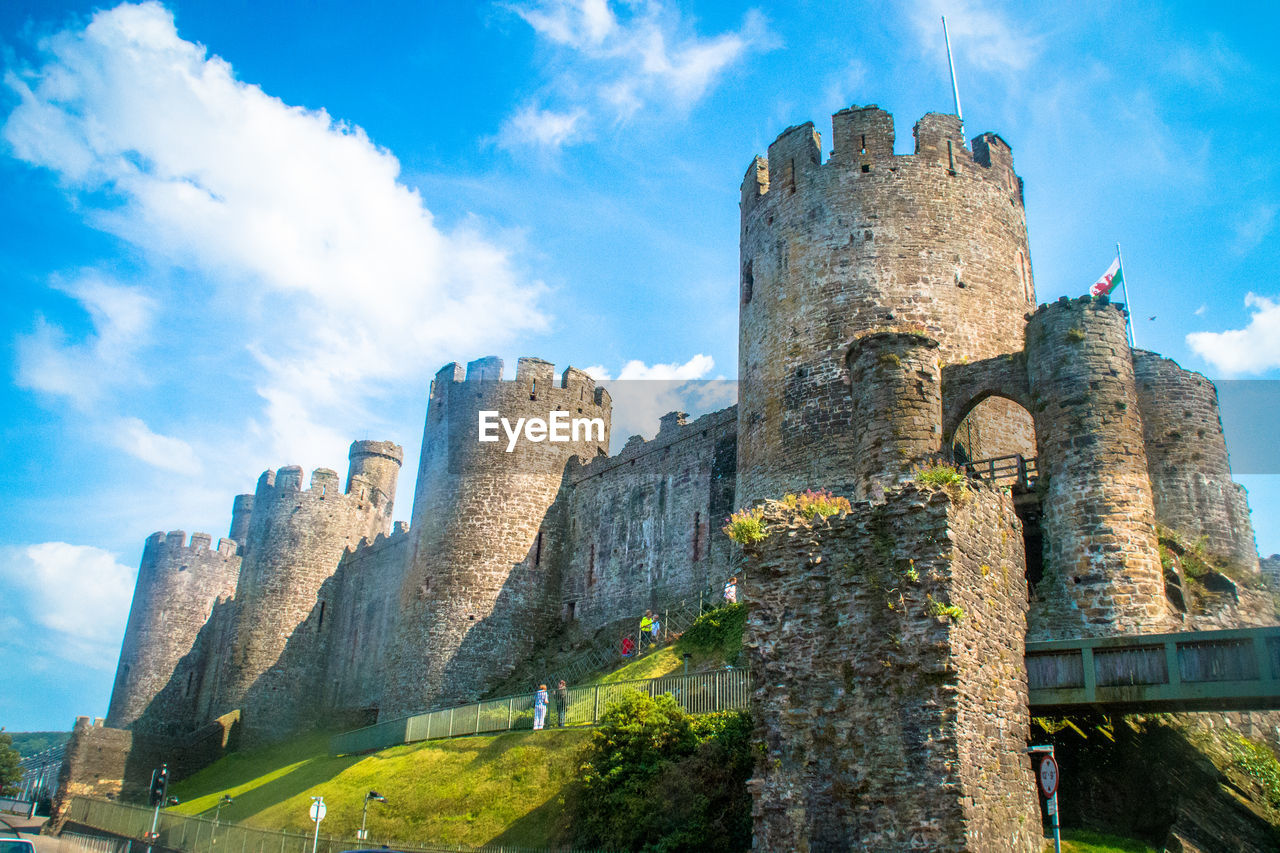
(562, 701)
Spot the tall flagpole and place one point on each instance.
(955, 90)
(1124, 285)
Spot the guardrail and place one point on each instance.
(200, 835)
(697, 693)
(22, 808)
(1018, 471)
(1228, 670)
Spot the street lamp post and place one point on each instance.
(363, 835)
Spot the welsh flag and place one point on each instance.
(1110, 280)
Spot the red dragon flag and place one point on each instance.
(1111, 279)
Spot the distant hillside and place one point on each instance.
(29, 743)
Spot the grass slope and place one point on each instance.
(474, 790)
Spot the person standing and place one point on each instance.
(646, 628)
(562, 702)
(540, 707)
(731, 591)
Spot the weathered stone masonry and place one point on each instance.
(888, 724)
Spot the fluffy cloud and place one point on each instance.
(1253, 349)
(165, 452)
(50, 362)
(76, 596)
(292, 227)
(611, 64)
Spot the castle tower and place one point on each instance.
(1187, 460)
(1102, 572)
(896, 387)
(480, 588)
(933, 243)
(179, 582)
(294, 542)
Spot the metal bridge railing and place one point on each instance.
(697, 693)
(1018, 471)
(1234, 669)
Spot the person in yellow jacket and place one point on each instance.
(646, 629)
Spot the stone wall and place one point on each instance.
(178, 584)
(933, 242)
(884, 726)
(1102, 572)
(94, 765)
(1192, 489)
(481, 587)
(643, 527)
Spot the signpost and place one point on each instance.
(317, 814)
(1048, 777)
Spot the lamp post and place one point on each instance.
(363, 834)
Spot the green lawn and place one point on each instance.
(1084, 841)
(475, 790)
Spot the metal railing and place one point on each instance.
(74, 841)
(697, 693)
(202, 835)
(1017, 471)
(1234, 669)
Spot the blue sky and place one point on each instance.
(237, 235)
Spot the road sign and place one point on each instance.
(1048, 776)
(1052, 806)
(317, 811)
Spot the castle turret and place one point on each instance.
(933, 243)
(179, 581)
(480, 588)
(241, 512)
(1187, 459)
(295, 540)
(1102, 572)
(896, 387)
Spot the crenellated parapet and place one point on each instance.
(179, 582)
(932, 242)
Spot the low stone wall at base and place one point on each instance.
(889, 647)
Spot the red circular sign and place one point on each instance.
(1048, 776)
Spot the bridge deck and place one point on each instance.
(1229, 670)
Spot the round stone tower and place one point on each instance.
(241, 512)
(480, 588)
(932, 243)
(178, 584)
(1102, 572)
(294, 542)
(1187, 460)
(896, 388)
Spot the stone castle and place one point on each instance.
(888, 319)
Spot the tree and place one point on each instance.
(10, 772)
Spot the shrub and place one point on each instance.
(940, 475)
(654, 778)
(821, 502)
(716, 632)
(746, 526)
(933, 607)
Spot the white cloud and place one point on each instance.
(334, 275)
(695, 368)
(981, 35)
(1200, 311)
(1252, 349)
(611, 64)
(533, 127)
(77, 595)
(166, 452)
(1253, 228)
(49, 361)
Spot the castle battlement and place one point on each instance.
(673, 430)
(863, 140)
(367, 546)
(199, 543)
(575, 388)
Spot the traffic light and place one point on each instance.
(159, 785)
